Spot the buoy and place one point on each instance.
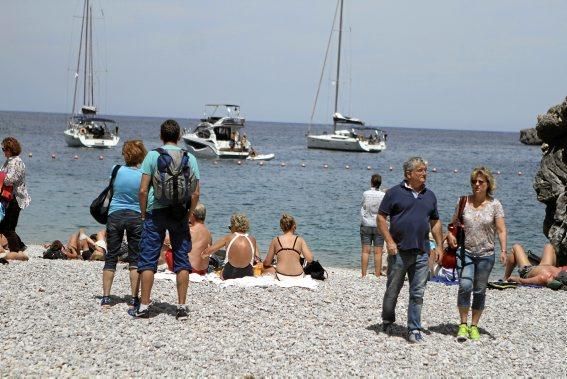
(53, 156)
(239, 162)
(76, 157)
(369, 167)
(455, 171)
(30, 155)
(100, 157)
(347, 167)
(261, 163)
(303, 165)
(215, 162)
(497, 172)
(282, 164)
(391, 168)
(520, 173)
(434, 169)
(325, 166)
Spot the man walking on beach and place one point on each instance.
(412, 209)
(159, 216)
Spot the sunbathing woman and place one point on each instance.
(287, 249)
(241, 250)
(82, 246)
(542, 274)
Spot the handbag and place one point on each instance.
(99, 206)
(316, 271)
(6, 191)
(456, 228)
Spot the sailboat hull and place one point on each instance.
(343, 143)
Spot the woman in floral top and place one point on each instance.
(15, 176)
(483, 219)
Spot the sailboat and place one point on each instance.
(353, 138)
(84, 128)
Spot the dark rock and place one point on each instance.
(529, 137)
(550, 182)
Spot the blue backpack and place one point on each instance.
(173, 181)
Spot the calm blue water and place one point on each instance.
(325, 202)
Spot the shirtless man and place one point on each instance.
(542, 274)
(201, 238)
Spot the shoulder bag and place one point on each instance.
(100, 205)
(457, 230)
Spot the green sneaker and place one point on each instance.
(474, 334)
(463, 333)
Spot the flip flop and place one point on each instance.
(502, 285)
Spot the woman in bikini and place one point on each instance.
(241, 249)
(287, 249)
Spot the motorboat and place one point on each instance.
(84, 128)
(219, 135)
(355, 138)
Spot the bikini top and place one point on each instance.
(288, 248)
(236, 235)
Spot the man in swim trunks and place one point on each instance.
(542, 274)
(201, 238)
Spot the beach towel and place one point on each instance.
(248, 281)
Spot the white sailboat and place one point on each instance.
(84, 128)
(354, 138)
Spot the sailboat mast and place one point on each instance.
(86, 63)
(91, 65)
(76, 74)
(338, 65)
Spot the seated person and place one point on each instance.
(542, 274)
(6, 255)
(287, 249)
(241, 249)
(201, 238)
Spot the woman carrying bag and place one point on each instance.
(15, 170)
(483, 219)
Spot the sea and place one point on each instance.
(321, 189)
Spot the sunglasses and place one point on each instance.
(4, 149)
(478, 181)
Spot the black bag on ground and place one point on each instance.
(100, 205)
(315, 270)
(54, 251)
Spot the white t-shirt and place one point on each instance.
(371, 200)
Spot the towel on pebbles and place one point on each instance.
(248, 281)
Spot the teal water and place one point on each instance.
(325, 202)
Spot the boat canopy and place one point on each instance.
(90, 119)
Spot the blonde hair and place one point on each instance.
(239, 223)
(287, 222)
(490, 181)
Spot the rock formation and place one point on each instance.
(529, 137)
(550, 182)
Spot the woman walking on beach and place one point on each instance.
(287, 249)
(483, 218)
(15, 171)
(124, 215)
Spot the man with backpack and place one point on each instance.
(169, 192)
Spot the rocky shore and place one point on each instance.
(53, 326)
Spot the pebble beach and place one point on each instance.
(53, 326)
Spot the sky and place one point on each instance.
(448, 64)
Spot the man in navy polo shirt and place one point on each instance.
(412, 209)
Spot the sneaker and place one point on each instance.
(181, 314)
(463, 333)
(134, 303)
(137, 313)
(387, 328)
(4, 261)
(105, 302)
(474, 334)
(415, 337)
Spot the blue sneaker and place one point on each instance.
(134, 303)
(105, 302)
(415, 337)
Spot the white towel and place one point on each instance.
(247, 281)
